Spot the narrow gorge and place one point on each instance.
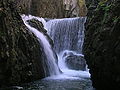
(59, 45)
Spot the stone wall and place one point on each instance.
(102, 45)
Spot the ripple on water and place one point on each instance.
(57, 84)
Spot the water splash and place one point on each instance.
(62, 57)
(66, 71)
(68, 37)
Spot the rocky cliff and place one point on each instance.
(21, 55)
(41, 8)
(102, 45)
(74, 8)
(52, 8)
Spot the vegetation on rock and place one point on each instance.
(102, 45)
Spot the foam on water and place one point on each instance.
(64, 52)
(51, 62)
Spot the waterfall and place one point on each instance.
(67, 33)
(68, 37)
(51, 62)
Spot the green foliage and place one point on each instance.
(115, 19)
(107, 8)
(104, 6)
(104, 18)
(101, 4)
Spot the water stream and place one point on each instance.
(51, 62)
(68, 37)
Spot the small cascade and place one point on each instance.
(50, 62)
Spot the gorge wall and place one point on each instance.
(52, 8)
(74, 8)
(21, 55)
(41, 8)
(102, 44)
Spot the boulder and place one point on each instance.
(75, 62)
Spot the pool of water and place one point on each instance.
(69, 80)
(57, 84)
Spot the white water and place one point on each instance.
(68, 37)
(67, 33)
(52, 66)
(73, 74)
(63, 55)
(67, 73)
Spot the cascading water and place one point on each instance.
(67, 33)
(51, 62)
(68, 37)
(62, 57)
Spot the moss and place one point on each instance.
(101, 45)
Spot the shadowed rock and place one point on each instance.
(102, 45)
(76, 62)
(21, 55)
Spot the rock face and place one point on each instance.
(47, 8)
(39, 26)
(23, 6)
(52, 8)
(74, 8)
(102, 45)
(41, 8)
(75, 62)
(20, 53)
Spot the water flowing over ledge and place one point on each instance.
(71, 29)
(51, 65)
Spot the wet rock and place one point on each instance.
(39, 26)
(21, 55)
(76, 62)
(102, 45)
